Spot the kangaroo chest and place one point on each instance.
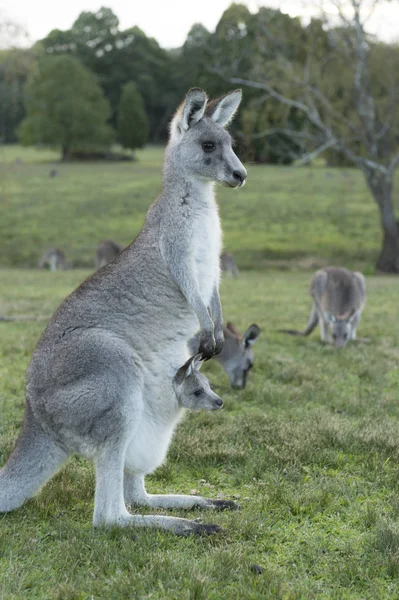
(206, 248)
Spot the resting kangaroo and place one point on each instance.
(100, 382)
(237, 357)
(106, 251)
(339, 297)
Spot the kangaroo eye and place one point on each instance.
(334, 336)
(208, 146)
(198, 393)
(345, 336)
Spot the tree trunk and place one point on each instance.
(65, 153)
(380, 186)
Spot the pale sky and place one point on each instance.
(168, 21)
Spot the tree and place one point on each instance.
(65, 107)
(116, 57)
(133, 123)
(345, 83)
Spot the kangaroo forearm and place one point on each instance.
(216, 309)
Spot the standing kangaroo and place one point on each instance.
(338, 297)
(54, 258)
(100, 382)
(106, 251)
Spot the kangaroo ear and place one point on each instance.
(352, 316)
(189, 112)
(330, 318)
(184, 371)
(223, 109)
(251, 335)
(197, 363)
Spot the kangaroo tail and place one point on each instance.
(35, 459)
(291, 331)
(312, 324)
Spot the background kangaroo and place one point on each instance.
(100, 382)
(338, 297)
(237, 357)
(54, 258)
(228, 264)
(106, 251)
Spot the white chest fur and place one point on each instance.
(207, 243)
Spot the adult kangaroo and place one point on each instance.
(106, 251)
(338, 297)
(54, 258)
(100, 382)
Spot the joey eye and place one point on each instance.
(345, 336)
(334, 336)
(198, 393)
(208, 146)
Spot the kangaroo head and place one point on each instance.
(341, 328)
(237, 357)
(192, 389)
(199, 144)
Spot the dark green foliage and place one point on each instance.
(133, 124)
(65, 107)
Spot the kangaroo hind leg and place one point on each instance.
(35, 459)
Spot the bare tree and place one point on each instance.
(362, 125)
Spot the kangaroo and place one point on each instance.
(237, 357)
(54, 258)
(192, 389)
(228, 264)
(100, 382)
(338, 297)
(107, 250)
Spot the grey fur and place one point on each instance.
(106, 251)
(100, 379)
(338, 297)
(228, 264)
(54, 258)
(192, 388)
(237, 357)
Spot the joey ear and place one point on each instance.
(251, 335)
(184, 371)
(197, 363)
(223, 109)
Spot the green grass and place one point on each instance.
(283, 213)
(310, 449)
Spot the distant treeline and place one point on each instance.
(118, 57)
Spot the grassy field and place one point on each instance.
(282, 213)
(310, 449)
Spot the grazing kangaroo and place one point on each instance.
(100, 382)
(228, 264)
(237, 357)
(192, 389)
(338, 297)
(107, 250)
(53, 258)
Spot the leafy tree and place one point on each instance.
(65, 107)
(133, 123)
(116, 57)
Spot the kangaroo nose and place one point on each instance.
(239, 176)
(219, 402)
